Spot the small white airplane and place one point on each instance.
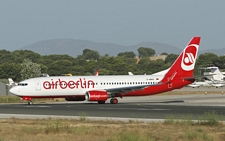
(198, 84)
(218, 79)
(101, 88)
(130, 73)
(218, 76)
(96, 73)
(215, 78)
(11, 82)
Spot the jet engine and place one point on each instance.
(96, 95)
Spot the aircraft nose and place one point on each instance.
(13, 90)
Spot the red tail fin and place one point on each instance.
(184, 64)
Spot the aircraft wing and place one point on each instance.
(128, 89)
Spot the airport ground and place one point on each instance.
(133, 118)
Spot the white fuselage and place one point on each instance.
(79, 85)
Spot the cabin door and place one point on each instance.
(37, 85)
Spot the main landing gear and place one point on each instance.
(113, 101)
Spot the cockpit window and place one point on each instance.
(22, 84)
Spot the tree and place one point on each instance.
(19, 55)
(10, 70)
(30, 69)
(90, 54)
(129, 54)
(145, 52)
(164, 53)
(171, 58)
(207, 59)
(59, 67)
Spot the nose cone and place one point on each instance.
(14, 90)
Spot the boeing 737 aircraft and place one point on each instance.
(101, 88)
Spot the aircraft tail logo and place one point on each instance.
(189, 57)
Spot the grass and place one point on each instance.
(16, 99)
(82, 116)
(210, 118)
(67, 129)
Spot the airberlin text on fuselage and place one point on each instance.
(71, 84)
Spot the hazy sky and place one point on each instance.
(123, 22)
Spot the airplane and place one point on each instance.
(198, 84)
(130, 73)
(215, 78)
(11, 82)
(96, 73)
(100, 89)
(217, 84)
(218, 76)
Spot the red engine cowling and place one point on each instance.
(96, 96)
(75, 98)
(26, 98)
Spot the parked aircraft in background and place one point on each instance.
(96, 73)
(101, 88)
(217, 75)
(130, 73)
(218, 79)
(215, 78)
(198, 84)
(11, 82)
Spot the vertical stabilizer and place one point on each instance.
(184, 64)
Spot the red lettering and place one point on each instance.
(77, 83)
(81, 84)
(56, 83)
(70, 84)
(84, 83)
(47, 85)
(53, 84)
(91, 82)
(62, 84)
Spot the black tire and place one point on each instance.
(113, 101)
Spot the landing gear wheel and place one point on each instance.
(101, 102)
(30, 103)
(113, 101)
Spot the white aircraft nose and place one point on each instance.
(13, 90)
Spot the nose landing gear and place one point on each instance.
(30, 103)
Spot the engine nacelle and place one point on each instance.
(75, 98)
(26, 98)
(96, 96)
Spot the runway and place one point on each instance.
(150, 107)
